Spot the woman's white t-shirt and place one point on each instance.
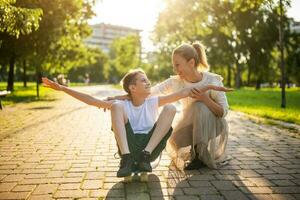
(142, 118)
(174, 84)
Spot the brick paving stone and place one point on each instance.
(200, 190)
(69, 186)
(92, 184)
(283, 197)
(230, 195)
(24, 188)
(256, 190)
(187, 197)
(211, 197)
(286, 190)
(14, 195)
(40, 197)
(46, 189)
(6, 187)
(75, 160)
(223, 185)
(70, 194)
(283, 183)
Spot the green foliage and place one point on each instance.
(18, 20)
(124, 55)
(57, 45)
(94, 67)
(241, 37)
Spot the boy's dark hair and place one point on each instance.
(130, 79)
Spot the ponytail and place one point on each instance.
(195, 51)
(202, 59)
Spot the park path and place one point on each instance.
(68, 153)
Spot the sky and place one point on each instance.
(142, 15)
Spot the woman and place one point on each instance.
(201, 133)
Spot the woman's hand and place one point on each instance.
(51, 84)
(121, 97)
(201, 94)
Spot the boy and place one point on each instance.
(140, 136)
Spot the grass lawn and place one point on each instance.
(266, 103)
(26, 95)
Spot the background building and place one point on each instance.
(104, 34)
(295, 26)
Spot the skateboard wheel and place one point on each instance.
(144, 177)
(128, 179)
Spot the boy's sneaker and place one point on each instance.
(144, 162)
(194, 164)
(126, 165)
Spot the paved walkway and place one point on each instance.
(68, 153)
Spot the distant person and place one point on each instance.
(87, 79)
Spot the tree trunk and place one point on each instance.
(229, 76)
(282, 64)
(238, 76)
(258, 82)
(2, 72)
(10, 80)
(24, 74)
(249, 76)
(37, 82)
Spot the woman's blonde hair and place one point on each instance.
(195, 51)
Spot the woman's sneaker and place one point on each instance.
(126, 165)
(194, 164)
(144, 162)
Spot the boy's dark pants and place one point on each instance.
(138, 142)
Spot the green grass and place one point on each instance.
(266, 103)
(26, 95)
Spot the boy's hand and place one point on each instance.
(219, 88)
(51, 84)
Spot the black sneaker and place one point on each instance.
(194, 164)
(144, 162)
(126, 165)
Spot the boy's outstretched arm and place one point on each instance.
(162, 100)
(78, 95)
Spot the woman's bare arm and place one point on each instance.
(186, 92)
(202, 96)
(78, 95)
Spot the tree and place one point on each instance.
(124, 55)
(240, 35)
(59, 37)
(18, 20)
(15, 21)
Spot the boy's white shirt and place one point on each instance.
(142, 118)
(174, 84)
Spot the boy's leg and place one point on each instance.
(162, 128)
(119, 119)
(163, 125)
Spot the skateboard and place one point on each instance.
(136, 175)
